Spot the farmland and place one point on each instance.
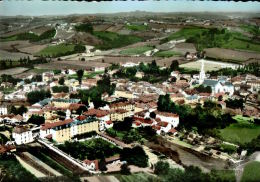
(167, 53)
(241, 132)
(114, 40)
(137, 27)
(228, 55)
(209, 65)
(136, 50)
(213, 37)
(61, 50)
(250, 172)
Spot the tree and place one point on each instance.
(80, 75)
(125, 125)
(19, 110)
(61, 81)
(165, 104)
(81, 109)
(36, 96)
(161, 168)
(35, 119)
(125, 169)
(102, 164)
(174, 65)
(135, 156)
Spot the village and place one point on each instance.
(55, 109)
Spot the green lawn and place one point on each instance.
(53, 50)
(251, 172)
(137, 27)
(241, 132)
(167, 54)
(136, 50)
(142, 177)
(14, 171)
(113, 40)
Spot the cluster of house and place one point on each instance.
(130, 99)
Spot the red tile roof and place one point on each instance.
(163, 124)
(109, 122)
(52, 125)
(96, 112)
(81, 118)
(88, 162)
(142, 120)
(166, 114)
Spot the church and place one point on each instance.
(220, 85)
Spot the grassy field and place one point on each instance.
(144, 177)
(56, 50)
(250, 172)
(225, 175)
(14, 171)
(241, 132)
(137, 27)
(136, 50)
(167, 54)
(113, 40)
(207, 38)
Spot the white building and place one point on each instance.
(3, 109)
(220, 86)
(171, 118)
(22, 135)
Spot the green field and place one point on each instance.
(136, 50)
(113, 40)
(251, 172)
(142, 177)
(167, 54)
(137, 27)
(53, 50)
(241, 132)
(212, 37)
(30, 36)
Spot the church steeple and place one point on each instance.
(202, 72)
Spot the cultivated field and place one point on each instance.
(208, 65)
(4, 55)
(13, 71)
(53, 50)
(33, 49)
(232, 55)
(136, 50)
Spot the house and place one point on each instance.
(65, 130)
(171, 118)
(102, 115)
(91, 165)
(22, 135)
(129, 106)
(47, 76)
(119, 114)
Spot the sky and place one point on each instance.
(50, 7)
